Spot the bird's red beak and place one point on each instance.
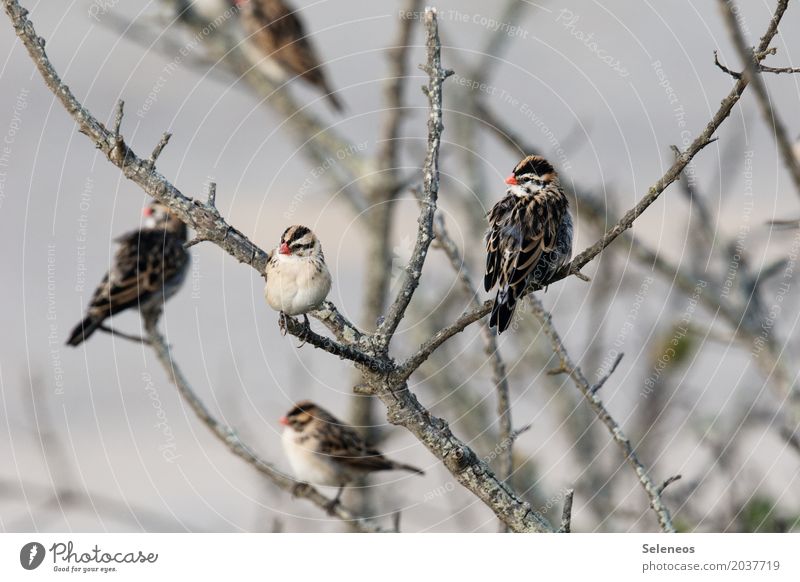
(147, 211)
(511, 180)
(284, 421)
(284, 250)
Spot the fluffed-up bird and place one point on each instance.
(324, 451)
(277, 33)
(529, 237)
(298, 280)
(148, 268)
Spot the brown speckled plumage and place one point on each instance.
(148, 268)
(278, 32)
(325, 451)
(529, 237)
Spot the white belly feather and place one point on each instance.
(308, 465)
(295, 285)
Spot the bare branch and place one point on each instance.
(231, 440)
(304, 333)
(669, 482)
(725, 69)
(778, 70)
(123, 335)
(566, 513)
(752, 74)
(162, 143)
(413, 272)
(599, 384)
(397, 77)
(580, 381)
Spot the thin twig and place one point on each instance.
(599, 384)
(752, 73)
(778, 70)
(566, 513)
(345, 352)
(123, 335)
(413, 272)
(162, 143)
(669, 482)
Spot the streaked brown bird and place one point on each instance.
(277, 32)
(324, 451)
(529, 237)
(148, 268)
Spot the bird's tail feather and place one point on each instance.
(83, 330)
(502, 312)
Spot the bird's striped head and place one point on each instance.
(299, 241)
(301, 415)
(530, 175)
(158, 215)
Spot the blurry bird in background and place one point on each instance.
(278, 34)
(324, 451)
(529, 237)
(148, 268)
(298, 280)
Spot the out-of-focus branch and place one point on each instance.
(231, 440)
(430, 181)
(752, 62)
(589, 393)
(397, 78)
(491, 349)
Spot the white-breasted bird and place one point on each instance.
(324, 451)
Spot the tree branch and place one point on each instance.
(413, 272)
(752, 73)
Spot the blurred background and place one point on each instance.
(702, 302)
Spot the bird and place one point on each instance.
(276, 32)
(529, 237)
(324, 451)
(298, 280)
(148, 268)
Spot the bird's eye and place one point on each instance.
(303, 246)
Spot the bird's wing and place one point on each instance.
(540, 218)
(531, 228)
(346, 446)
(499, 238)
(144, 260)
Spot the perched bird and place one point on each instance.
(148, 269)
(324, 451)
(298, 281)
(529, 237)
(277, 32)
